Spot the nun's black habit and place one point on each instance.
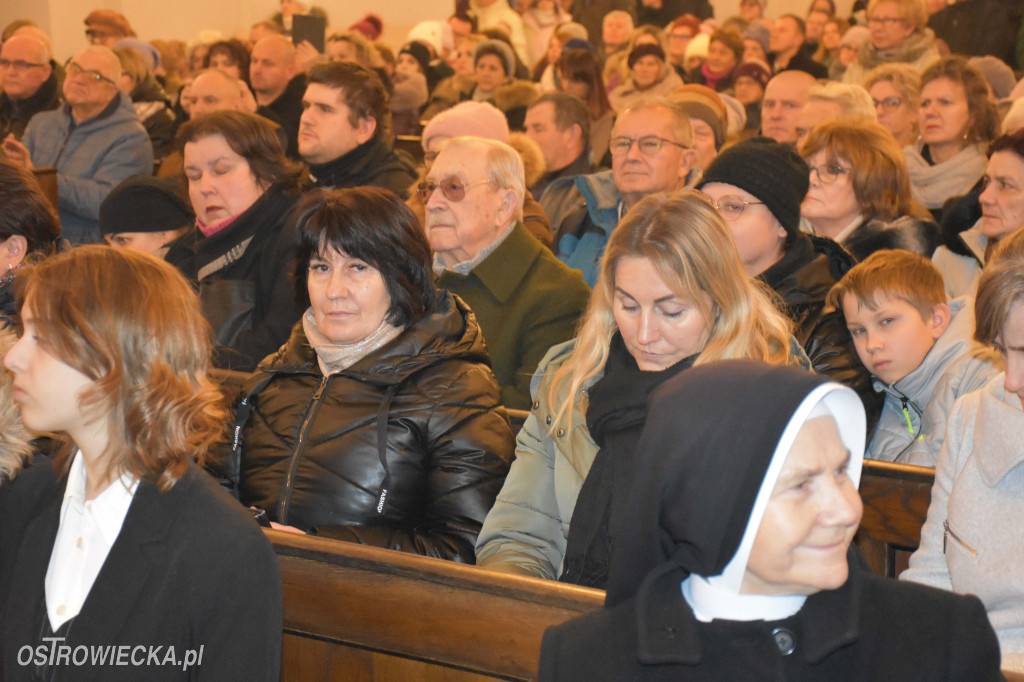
(711, 435)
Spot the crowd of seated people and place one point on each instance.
(470, 283)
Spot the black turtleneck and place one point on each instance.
(372, 163)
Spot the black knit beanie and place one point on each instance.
(144, 204)
(774, 173)
(645, 50)
(419, 52)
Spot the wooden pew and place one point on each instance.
(356, 613)
(896, 498)
(412, 145)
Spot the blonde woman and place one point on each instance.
(672, 293)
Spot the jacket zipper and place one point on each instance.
(314, 407)
(906, 415)
(949, 531)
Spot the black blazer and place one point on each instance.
(871, 628)
(189, 569)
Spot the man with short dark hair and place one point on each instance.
(560, 125)
(95, 140)
(28, 83)
(343, 134)
(787, 41)
(278, 83)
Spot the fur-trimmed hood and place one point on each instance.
(909, 233)
(514, 94)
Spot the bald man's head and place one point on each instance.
(214, 90)
(784, 98)
(272, 67)
(30, 66)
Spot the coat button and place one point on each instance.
(785, 640)
(536, 404)
(547, 420)
(560, 433)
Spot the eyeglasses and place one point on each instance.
(649, 145)
(18, 64)
(680, 36)
(73, 69)
(731, 207)
(829, 172)
(888, 104)
(93, 34)
(453, 189)
(885, 20)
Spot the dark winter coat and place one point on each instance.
(406, 449)
(909, 233)
(15, 114)
(871, 628)
(802, 279)
(372, 164)
(242, 274)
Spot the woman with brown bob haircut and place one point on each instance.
(137, 545)
(859, 194)
(242, 188)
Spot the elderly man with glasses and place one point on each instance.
(524, 299)
(95, 140)
(652, 151)
(28, 83)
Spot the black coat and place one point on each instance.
(871, 628)
(802, 279)
(189, 568)
(372, 163)
(248, 301)
(15, 114)
(287, 110)
(312, 456)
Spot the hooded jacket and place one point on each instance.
(913, 422)
(91, 159)
(406, 449)
(154, 110)
(961, 267)
(693, 508)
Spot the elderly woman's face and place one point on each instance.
(813, 513)
(831, 199)
(221, 183)
(759, 237)
(348, 296)
(888, 27)
(490, 73)
(658, 327)
(1002, 202)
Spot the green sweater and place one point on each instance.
(525, 301)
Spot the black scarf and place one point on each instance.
(615, 418)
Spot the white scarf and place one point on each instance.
(932, 185)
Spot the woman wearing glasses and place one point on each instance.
(899, 33)
(379, 421)
(757, 186)
(859, 195)
(672, 293)
(896, 92)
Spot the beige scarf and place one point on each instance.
(336, 357)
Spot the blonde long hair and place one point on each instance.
(691, 249)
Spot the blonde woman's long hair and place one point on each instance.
(691, 249)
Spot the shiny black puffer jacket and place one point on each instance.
(802, 279)
(406, 449)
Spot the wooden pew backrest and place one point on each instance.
(896, 498)
(355, 612)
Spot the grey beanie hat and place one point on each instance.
(499, 49)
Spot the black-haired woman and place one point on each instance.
(380, 421)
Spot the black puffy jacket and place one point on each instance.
(808, 269)
(406, 449)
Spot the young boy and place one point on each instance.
(919, 350)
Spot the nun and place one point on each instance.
(732, 559)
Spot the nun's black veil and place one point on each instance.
(708, 440)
